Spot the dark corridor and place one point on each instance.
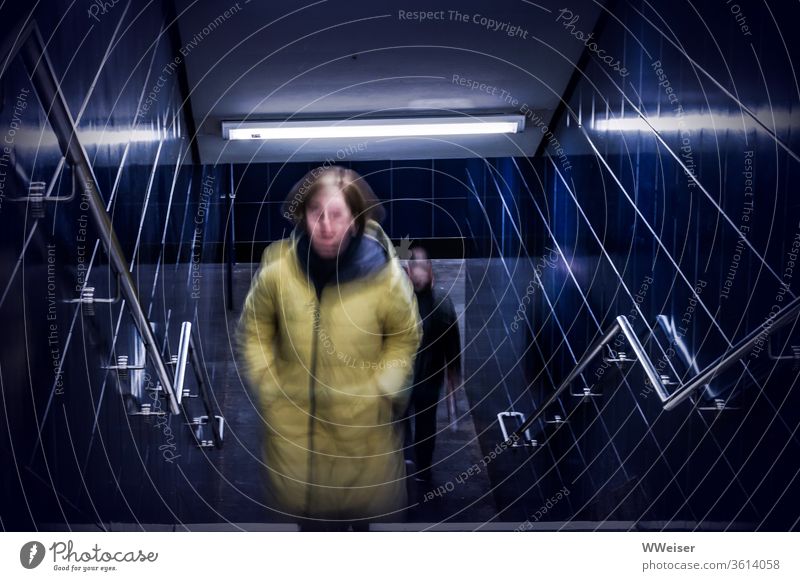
(623, 270)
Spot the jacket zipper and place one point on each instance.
(312, 402)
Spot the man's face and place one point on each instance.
(419, 271)
(329, 222)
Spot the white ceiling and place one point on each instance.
(281, 60)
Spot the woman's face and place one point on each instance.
(329, 222)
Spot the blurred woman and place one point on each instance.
(328, 335)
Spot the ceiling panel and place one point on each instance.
(289, 60)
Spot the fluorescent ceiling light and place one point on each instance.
(403, 127)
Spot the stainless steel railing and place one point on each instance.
(670, 400)
(31, 48)
(786, 315)
(215, 421)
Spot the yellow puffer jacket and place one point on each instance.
(333, 377)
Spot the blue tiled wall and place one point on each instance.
(628, 227)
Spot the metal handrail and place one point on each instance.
(590, 354)
(34, 55)
(204, 394)
(670, 400)
(643, 358)
(183, 357)
(188, 352)
(782, 318)
(46, 197)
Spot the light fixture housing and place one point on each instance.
(371, 128)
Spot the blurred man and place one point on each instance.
(438, 357)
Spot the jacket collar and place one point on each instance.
(372, 253)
